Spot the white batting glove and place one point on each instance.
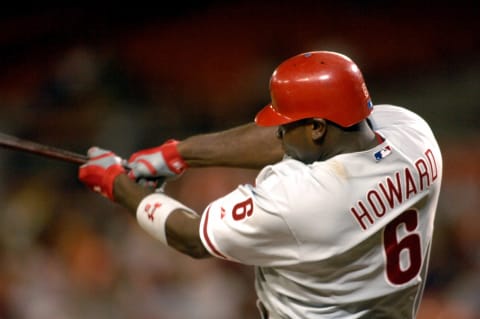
(157, 162)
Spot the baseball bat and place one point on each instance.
(15, 143)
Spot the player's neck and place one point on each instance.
(343, 141)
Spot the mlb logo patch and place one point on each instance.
(370, 104)
(384, 152)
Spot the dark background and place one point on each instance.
(130, 76)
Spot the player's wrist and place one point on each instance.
(128, 193)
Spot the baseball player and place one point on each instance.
(339, 222)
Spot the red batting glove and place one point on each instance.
(100, 171)
(160, 161)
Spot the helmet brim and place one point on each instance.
(268, 116)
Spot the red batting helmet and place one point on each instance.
(319, 84)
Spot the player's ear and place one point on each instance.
(319, 128)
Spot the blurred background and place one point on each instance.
(131, 77)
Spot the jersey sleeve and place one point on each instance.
(247, 226)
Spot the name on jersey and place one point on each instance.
(395, 190)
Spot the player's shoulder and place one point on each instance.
(289, 174)
(287, 168)
(277, 175)
(388, 114)
(404, 129)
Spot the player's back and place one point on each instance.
(363, 225)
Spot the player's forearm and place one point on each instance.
(245, 146)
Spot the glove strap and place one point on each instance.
(110, 174)
(172, 157)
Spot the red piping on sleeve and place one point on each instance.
(207, 239)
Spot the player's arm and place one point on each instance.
(160, 215)
(244, 146)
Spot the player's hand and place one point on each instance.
(157, 162)
(100, 171)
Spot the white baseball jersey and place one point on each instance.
(348, 237)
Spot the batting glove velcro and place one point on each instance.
(160, 161)
(100, 171)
